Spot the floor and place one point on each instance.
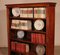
(4, 51)
(57, 50)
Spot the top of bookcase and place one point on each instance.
(32, 4)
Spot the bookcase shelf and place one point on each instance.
(31, 28)
(25, 41)
(32, 31)
(30, 53)
(19, 40)
(21, 18)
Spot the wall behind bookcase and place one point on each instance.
(3, 19)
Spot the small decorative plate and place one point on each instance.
(20, 34)
(15, 12)
(40, 49)
(39, 24)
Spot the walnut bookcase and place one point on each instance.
(31, 38)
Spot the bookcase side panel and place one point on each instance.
(50, 27)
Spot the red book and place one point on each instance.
(36, 38)
(40, 38)
(43, 37)
(13, 45)
(24, 48)
(21, 48)
(18, 47)
(31, 38)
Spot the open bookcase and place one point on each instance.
(31, 28)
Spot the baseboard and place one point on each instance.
(3, 47)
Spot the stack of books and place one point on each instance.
(15, 24)
(39, 12)
(26, 12)
(21, 24)
(20, 47)
(23, 12)
(38, 38)
(13, 46)
(30, 12)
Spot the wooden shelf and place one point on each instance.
(25, 41)
(24, 18)
(29, 53)
(43, 32)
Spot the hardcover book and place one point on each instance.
(30, 12)
(38, 38)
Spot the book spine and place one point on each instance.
(32, 38)
(21, 12)
(13, 46)
(36, 38)
(43, 36)
(21, 47)
(15, 24)
(35, 12)
(25, 12)
(30, 12)
(27, 48)
(42, 13)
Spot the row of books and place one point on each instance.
(20, 47)
(21, 24)
(38, 38)
(39, 12)
(26, 12)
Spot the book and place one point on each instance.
(23, 12)
(21, 47)
(38, 38)
(15, 24)
(35, 12)
(18, 48)
(13, 46)
(40, 12)
(27, 48)
(43, 37)
(30, 12)
(24, 24)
